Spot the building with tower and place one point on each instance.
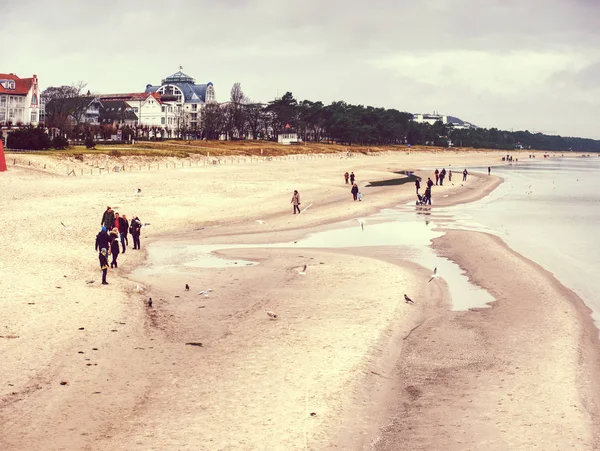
(187, 95)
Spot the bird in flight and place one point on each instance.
(303, 272)
(205, 292)
(408, 300)
(187, 287)
(271, 314)
(434, 275)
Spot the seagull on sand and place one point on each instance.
(408, 300)
(187, 287)
(205, 292)
(362, 223)
(303, 272)
(271, 314)
(434, 275)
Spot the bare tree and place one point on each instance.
(255, 119)
(212, 120)
(65, 106)
(236, 111)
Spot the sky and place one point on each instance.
(512, 64)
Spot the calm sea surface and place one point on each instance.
(548, 211)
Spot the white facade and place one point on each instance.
(288, 138)
(433, 118)
(150, 109)
(19, 100)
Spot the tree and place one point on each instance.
(236, 111)
(284, 111)
(28, 138)
(255, 119)
(212, 120)
(65, 106)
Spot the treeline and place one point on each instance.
(349, 124)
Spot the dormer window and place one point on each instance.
(11, 84)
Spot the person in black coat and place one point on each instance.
(102, 239)
(352, 177)
(442, 176)
(114, 250)
(135, 230)
(354, 191)
(429, 183)
(123, 227)
(108, 218)
(418, 185)
(103, 264)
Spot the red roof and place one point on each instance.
(22, 85)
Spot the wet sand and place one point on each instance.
(130, 380)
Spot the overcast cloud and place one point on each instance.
(528, 64)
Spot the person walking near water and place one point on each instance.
(418, 185)
(489, 170)
(114, 250)
(437, 176)
(465, 173)
(450, 175)
(103, 264)
(352, 177)
(296, 201)
(135, 230)
(442, 176)
(346, 176)
(354, 191)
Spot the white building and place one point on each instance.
(151, 109)
(188, 95)
(446, 120)
(19, 100)
(287, 136)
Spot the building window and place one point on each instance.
(163, 109)
(162, 120)
(135, 109)
(195, 107)
(194, 116)
(33, 116)
(34, 100)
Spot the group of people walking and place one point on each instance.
(113, 235)
(356, 194)
(439, 180)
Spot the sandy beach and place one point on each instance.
(87, 367)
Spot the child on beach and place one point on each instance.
(114, 248)
(103, 265)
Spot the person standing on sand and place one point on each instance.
(428, 195)
(354, 191)
(296, 201)
(352, 177)
(135, 230)
(418, 185)
(346, 176)
(114, 249)
(465, 173)
(124, 229)
(108, 219)
(437, 176)
(450, 175)
(442, 176)
(489, 170)
(429, 183)
(103, 264)
(102, 239)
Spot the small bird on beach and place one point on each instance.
(408, 300)
(139, 190)
(149, 302)
(271, 314)
(434, 275)
(303, 272)
(187, 287)
(205, 292)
